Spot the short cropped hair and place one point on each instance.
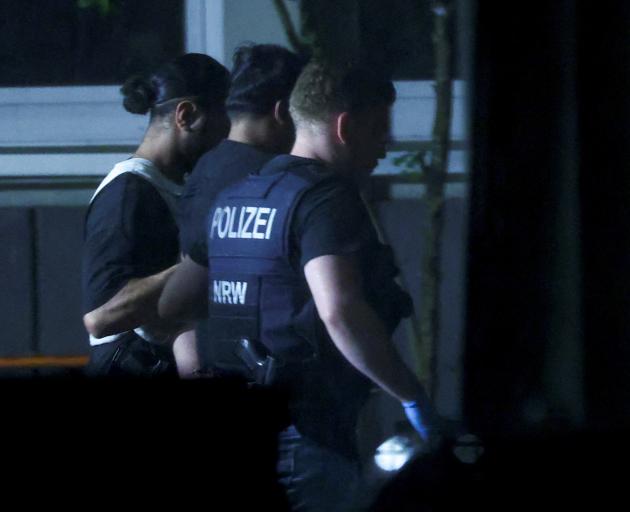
(262, 74)
(323, 90)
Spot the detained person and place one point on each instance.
(300, 286)
(131, 238)
(262, 78)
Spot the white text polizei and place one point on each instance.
(245, 222)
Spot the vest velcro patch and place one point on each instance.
(233, 306)
(229, 292)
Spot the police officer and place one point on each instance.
(131, 239)
(299, 289)
(262, 78)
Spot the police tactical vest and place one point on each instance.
(254, 292)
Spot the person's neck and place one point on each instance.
(321, 146)
(255, 132)
(314, 146)
(160, 151)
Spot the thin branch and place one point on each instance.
(295, 40)
(436, 172)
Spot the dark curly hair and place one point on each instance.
(191, 75)
(325, 89)
(262, 74)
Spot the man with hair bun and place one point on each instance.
(301, 291)
(131, 239)
(262, 78)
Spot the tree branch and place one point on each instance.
(295, 40)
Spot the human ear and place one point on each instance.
(281, 112)
(343, 127)
(188, 116)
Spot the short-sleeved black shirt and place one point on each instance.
(225, 164)
(330, 218)
(129, 233)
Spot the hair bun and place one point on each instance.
(138, 94)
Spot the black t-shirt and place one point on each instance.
(129, 233)
(227, 163)
(330, 219)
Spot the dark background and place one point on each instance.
(56, 42)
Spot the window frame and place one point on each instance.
(68, 121)
(78, 116)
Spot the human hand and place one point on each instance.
(424, 421)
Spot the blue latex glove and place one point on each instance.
(419, 421)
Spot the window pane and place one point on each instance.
(59, 42)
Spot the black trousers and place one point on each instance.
(131, 356)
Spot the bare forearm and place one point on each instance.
(361, 337)
(134, 305)
(355, 328)
(184, 311)
(186, 355)
(185, 296)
